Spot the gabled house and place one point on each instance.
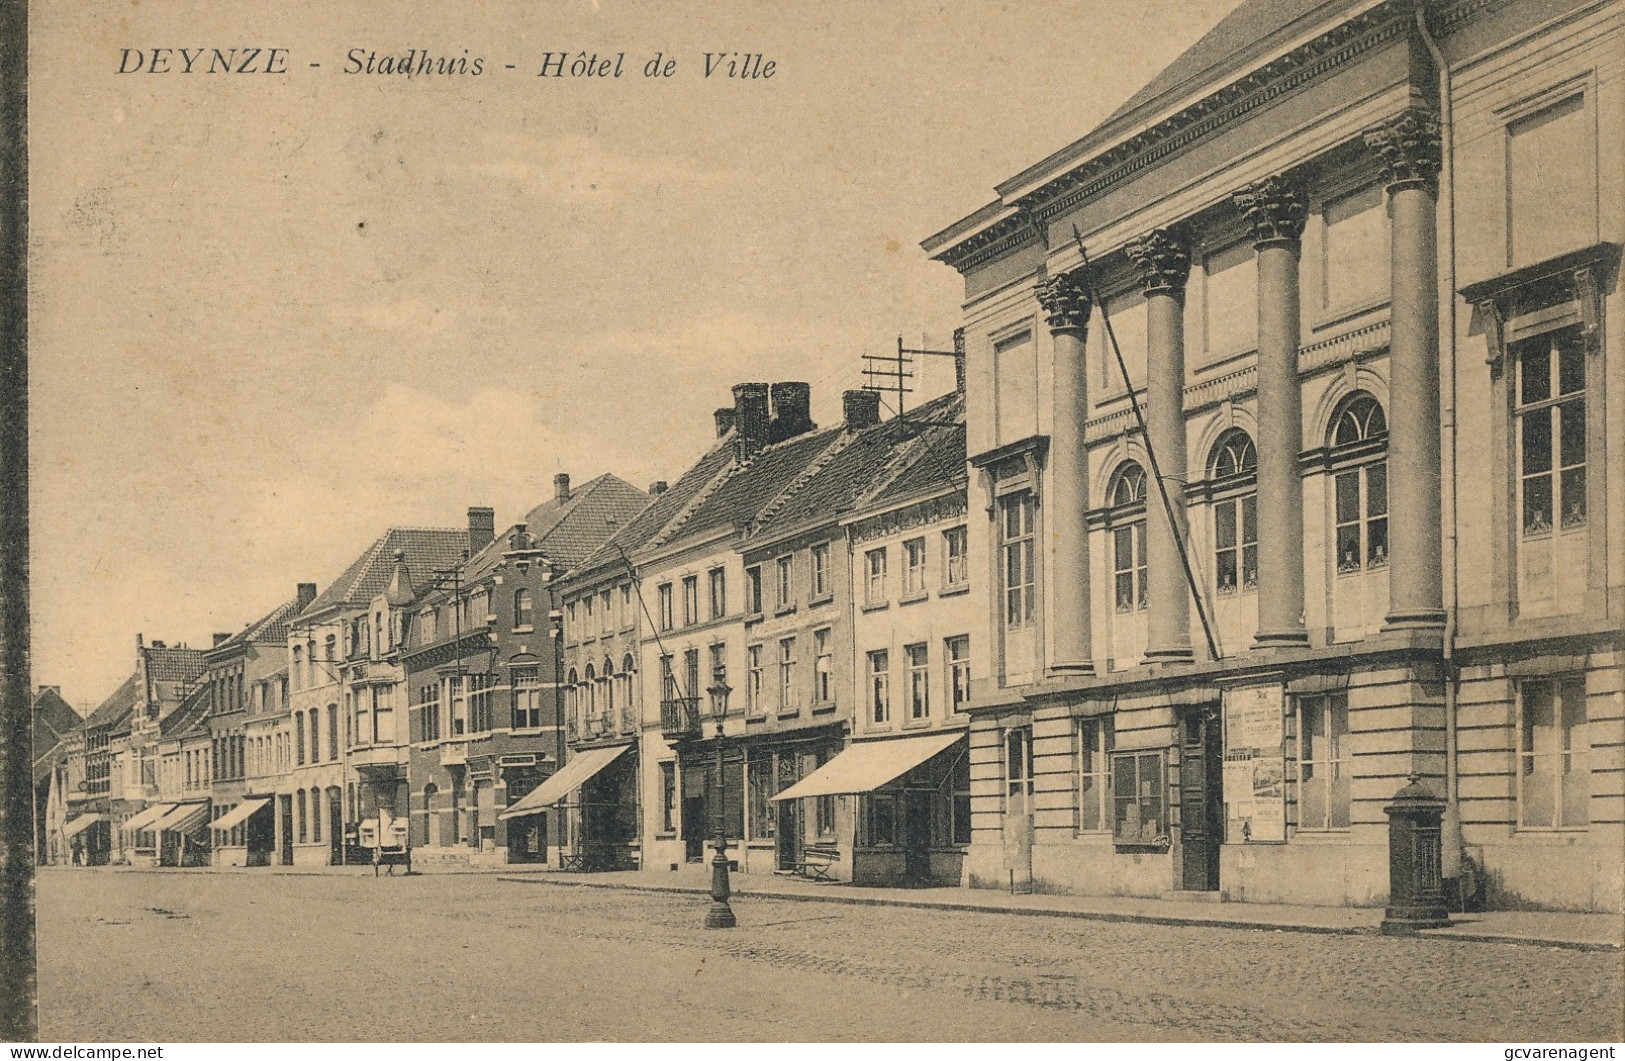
(58, 734)
(481, 657)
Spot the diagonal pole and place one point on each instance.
(1151, 453)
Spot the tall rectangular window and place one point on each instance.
(753, 681)
(629, 613)
(819, 561)
(1551, 182)
(1550, 415)
(753, 590)
(299, 737)
(957, 650)
(785, 582)
(668, 797)
(1137, 797)
(1015, 368)
(874, 576)
(1324, 762)
(1362, 518)
(1235, 543)
(1016, 545)
(823, 667)
(956, 550)
(1018, 768)
(880, 687)
(762, 781)
(1131, 586)
(693, 686)
(913, 566)
(961, 792)
(1554, 754)
(606, 618)
(663, 596)
(527, 698)
(788, 701)
(1094, 774)
(717, 584)
(691, 600)
(919, 681)
(429, 709)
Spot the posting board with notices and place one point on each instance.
(1254, 765)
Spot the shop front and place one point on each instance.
(596, 791)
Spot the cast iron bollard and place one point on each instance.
(1415, 850)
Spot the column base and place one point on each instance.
(1169, 655)
(1281, 639)
(1431, 619)
(1081, 669)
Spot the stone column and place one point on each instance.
(1163, 261)
(1065, 300)
(1276, 209)
(1408, 148)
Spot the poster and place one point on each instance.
(1254, 765)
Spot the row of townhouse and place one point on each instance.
(1293, 496)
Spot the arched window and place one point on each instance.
(522, 613)
(426, 836)
(628, 667)
(1359, 447)
(609, 689)
(1233, 472)
(591, 686)
(1126, 523)
(572, 695)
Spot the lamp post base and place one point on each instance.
(721, 915)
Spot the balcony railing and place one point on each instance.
(680, 718)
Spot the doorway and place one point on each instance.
(917, 834)
(285, 815)
(1201, 809)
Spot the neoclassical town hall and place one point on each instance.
(1341, 514)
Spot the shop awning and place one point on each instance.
(186, 818)
(81, 823)
(239, 814)
(572, 776)
(145, 819)
(865, 766)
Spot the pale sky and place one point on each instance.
(272, 316)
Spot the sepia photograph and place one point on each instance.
(809, 521)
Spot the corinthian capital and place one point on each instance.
(1162, 257)
(1407, 146)
(1065, 299)
(1275, 207)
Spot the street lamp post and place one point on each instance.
(720, 915)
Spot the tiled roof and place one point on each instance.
(738, 501)
(1248, 25)
(53, 719)
(426, 549)
(173, 664)
(117, 707)
(871, 459)
(269, 629)
(192, 714)
(583, 523)
(663, 508)
(933, 460)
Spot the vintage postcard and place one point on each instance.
(801, 522)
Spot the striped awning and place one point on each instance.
(186, 818)
(81, 823)
(144, 819)
(571, 777)
(866, 765)
(239, 814)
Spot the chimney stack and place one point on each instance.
(159, 644)
(860, 409)
(306, 593)
(482, 528)
(792, 411)
(561, 486)
(959, 360)
(657, 488)
(750, 418)
(220, 639)
(725, 421)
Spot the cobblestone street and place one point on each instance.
(240, 957)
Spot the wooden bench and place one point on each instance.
(816, 861)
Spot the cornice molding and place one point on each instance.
(1098, 173)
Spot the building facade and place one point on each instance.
(1331, 511)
